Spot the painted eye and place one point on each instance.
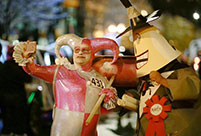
(77, 50)
(87, 51)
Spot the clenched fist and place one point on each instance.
(156, 76)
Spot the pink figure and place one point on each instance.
(76, 86)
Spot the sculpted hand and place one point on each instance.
(24, 52)
(156, 76)
(110, 93)
(110, 97)
(29, 49)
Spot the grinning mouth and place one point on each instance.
(142, 59)
(80, 57)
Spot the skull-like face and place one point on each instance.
(152, 51)
(82, 54)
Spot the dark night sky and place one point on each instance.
(184, 8)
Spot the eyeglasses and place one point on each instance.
(83, 50)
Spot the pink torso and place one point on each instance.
(71, 96)
(74, 98)
(70, 90)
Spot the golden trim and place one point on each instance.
(54, 79)
(53, 88)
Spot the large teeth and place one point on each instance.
(141, 57)
(139, 65)
(144, 56)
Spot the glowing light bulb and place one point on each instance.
(196, 60)
(120, 28)
(196, 16)
(112, 28)
(98, 33)
(122, 49)
(196, 67)
(40, 88)
(144, 12)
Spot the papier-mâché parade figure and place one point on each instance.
(76, 86)
(170, 99)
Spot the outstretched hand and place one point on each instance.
(158, 78)
(24, 53)
(29, 49)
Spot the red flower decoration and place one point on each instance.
(155, 112)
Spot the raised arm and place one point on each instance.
(44, 72)
(24, 54)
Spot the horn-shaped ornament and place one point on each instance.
(68, 40)
(105, 43)
(97, 44)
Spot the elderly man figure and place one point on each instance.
(76, 86)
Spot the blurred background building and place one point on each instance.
(44, 20)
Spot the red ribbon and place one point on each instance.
(155, 112)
